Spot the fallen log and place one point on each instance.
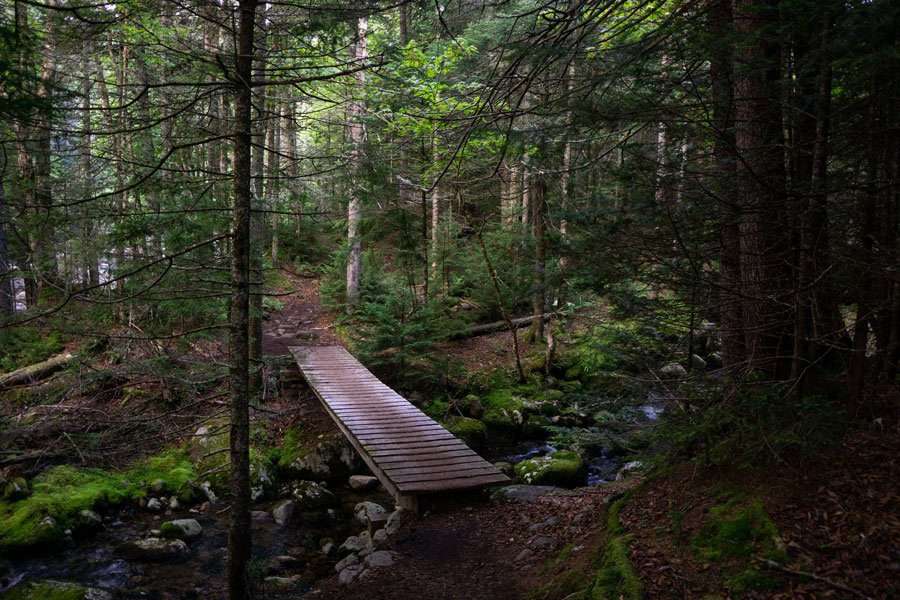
(37, 371)
(496, 326)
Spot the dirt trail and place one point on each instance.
(302, 321)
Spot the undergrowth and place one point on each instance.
(61, 493)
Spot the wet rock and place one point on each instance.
(396, 520)
(155, 549)
(182, 529)
(527, 494)
(311, 496)
(379, 538)
(328, 548)
(369, 512)
(629, 469)
(154, 505)
(348, 575)
(281, 583)
(283, 512)
(363, 483)
(697, 363)
(714, 361)
(673, 371)
(367, 544)
(380, 559)
(87, 521)
(352, 545)
(350, 559)
(174, 504)
(260, 516)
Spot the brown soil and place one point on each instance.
(838, 514)
(302, 320)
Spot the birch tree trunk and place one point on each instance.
(357, 138)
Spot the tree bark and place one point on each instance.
(539, 280)
(239, 539)
(764, 247)
(357, 138)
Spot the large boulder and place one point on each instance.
(380, 559)
(673, 371)
(181, 529)
(564, 468)
(154, 549)
(284, 511)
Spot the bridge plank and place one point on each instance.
(407, 450)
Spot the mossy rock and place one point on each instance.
(739, 530)
(537, 427)
(54, 590)
(472, 431)
(15, 489)
(564, 468)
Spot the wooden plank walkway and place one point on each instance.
(409, 452)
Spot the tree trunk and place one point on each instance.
(273, 190)
(764, 247)
(721, 73)
(7, 290)
(539, 284)
(357, 138)
(239, 540)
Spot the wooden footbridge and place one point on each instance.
(410, 453)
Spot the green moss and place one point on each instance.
(738, 530)
(616, 578)
(290, 449)
(46, 590)
(60, 493)
(472, 431)
(735, 533)
(436, 409)
(565, 468)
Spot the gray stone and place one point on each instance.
(328, 548)
(347, 576)
(365, 539)
(673, 371)
(350, 559)
(174, 504)
(369, 512)
(545, 524)
(206, 488)
(505, 468)
(524, 555)
(331, 458)
(283, 512)
(154, 505)
(380, 559)
(527, 494)
(363, 483)
(629, 469)
(542, 542)
(396, 520)
(155, 550)
(352, 545)
(260, 516)
(183, 529)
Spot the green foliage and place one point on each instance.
(46, 590)
(23, 346)
(756, 423)
(62, 492)
(618, 345)
(271, 304)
